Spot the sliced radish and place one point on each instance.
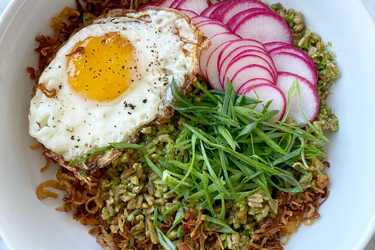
(244, 42)
(258, 58)
(295, 51)
(274, 45)
(189, 13)
(211, 21)
(200, 19)
(207, 12)
(197, 6)
(166, 3)
(215, 41)
(212, 71)
(247, 73)
(212, 68)
(264, 27)
(268, 62)
(236, 45)
(303, 98)
(176, 3)
(232, 8)
(212, 29)
(291, 63)
(234, 55)
(253, 82)
(243, 65)
(234, 21)
(267, 93)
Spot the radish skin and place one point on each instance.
(234, 21)
(267, 93)
(197, 6)
(295, 51)
(201, 23)
(253, 82)
(212, 29)
(199, 19)
(239, 6)
(231, 8)
(208, 11)
(247, 73)
(304, 104)
(257, 58)
(274, 45)
(212, 71)
(287, 62)
(189, 13)
(175, 3)
(226, 58)
(215, 41)
(264, 27)
(239, 44)
(227, 54)
(265, 57)
(166, 3)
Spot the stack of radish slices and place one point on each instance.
(251, 47)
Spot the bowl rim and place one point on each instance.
(6, 19)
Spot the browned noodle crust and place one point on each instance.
(83, 200)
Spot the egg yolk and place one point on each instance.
(101, 68)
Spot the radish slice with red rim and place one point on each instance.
(175, 3)
(207, 12)
(253, 82)
(210, 22)
(240, 61)
(234, 21)
(227, 54)
(265, 57)
(239, 44)
(249, 72)
(212, 71)
(189, 13)
(267, 94)
(295, 51)
(215, 41)
(303, 98)
(274, 45)
(264, 27)
(197, 6)
(212, 29)
(232, 8)
(166, 3)
(199, 19)
(291, 63)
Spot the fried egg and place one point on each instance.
(111, 78)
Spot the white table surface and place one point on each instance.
(370, 4)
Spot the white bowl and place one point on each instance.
(348, 217)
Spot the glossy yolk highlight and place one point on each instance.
(101, 68)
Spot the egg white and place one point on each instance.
(166, 46)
